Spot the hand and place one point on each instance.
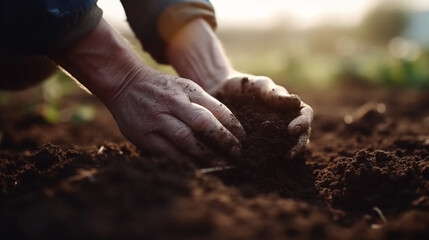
(275, 96)
(165, 114)
(196, 53)
(169, 116)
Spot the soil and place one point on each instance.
(365, 175)
(267, 141)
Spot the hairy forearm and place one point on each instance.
(102, 61)
(197, 54)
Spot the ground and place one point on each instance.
(365, 175)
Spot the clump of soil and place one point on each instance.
(267, 141)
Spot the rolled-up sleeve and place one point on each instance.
(155, 21)
(41, 26)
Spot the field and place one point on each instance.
(365, 175)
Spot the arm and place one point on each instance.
(196, 53)
(154, 22)
(155, 111)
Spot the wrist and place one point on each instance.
(196, 53)
(102, 61)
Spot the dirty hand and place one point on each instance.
(196, 53)
(165, 114)
(157, 112)
(275, 96)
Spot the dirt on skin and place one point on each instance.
(365, 175)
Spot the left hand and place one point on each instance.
(277, 97)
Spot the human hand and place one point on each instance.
(276, 96)
(166, 114)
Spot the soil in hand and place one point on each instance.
(267, 140)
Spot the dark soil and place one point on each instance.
(364, 179)
(267, 140)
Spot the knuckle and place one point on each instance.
(167, 99)
(182, 134)
(187, 85)
(222, 112)
(201, 120)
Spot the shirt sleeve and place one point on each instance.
(36, 27)
(155, 21)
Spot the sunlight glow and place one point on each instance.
(260, 14)
(304, 13)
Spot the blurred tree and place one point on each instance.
(383, 23)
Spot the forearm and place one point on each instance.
(154, 22)
(102, 61)
(197, 54)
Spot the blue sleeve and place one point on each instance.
(155, 21)
(38, 26)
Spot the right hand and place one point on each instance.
(164, 114)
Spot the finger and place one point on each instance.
(184, 139)
(161, 146)
(274, 95)
(222, 113)
(301, 123)
(235, 86)
(202, 121)
(300, 145)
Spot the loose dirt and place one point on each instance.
(365, 175)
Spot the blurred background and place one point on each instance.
(319, 42)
